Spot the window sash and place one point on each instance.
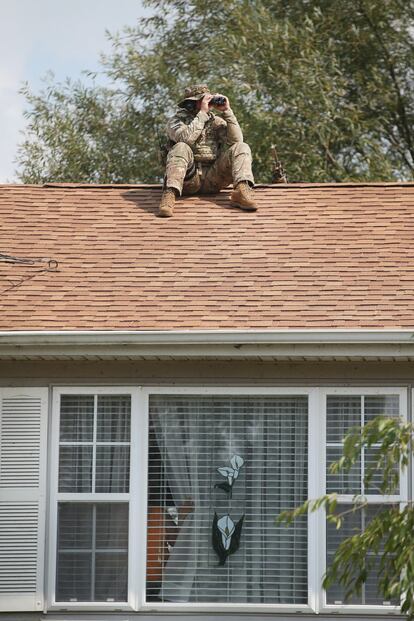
(97, 522)
(82, 464)
(335, 448)
(360, 518)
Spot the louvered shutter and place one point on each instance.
(23, 430)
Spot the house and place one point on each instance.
(169, 386)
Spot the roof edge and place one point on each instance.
(211, 337)
(292, 345)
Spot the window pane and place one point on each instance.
(74, 577)
(378, 405)
(112, 469)
(75, 469)
(345, 482)
(112, 526)
(111, 577)
(342, 414)
(381, 405)
(351, 525)
(74, 552)
(76, 418)
(114, 415)
(370, 458)
(112, 552)
(75, 526)
(371, 591)
(354, 523)
(92, 556)
(227, 466)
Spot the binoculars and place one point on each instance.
(217, 101)
(190, 104)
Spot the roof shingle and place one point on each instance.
(313, 256)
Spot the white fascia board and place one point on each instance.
(198, 337)
(209, 343)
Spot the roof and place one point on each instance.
(315, 256)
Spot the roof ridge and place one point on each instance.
(280, 186)
(101, 186)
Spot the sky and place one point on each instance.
(64, 36)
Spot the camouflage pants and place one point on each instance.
(232, 166)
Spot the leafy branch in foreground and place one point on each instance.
(386, 544)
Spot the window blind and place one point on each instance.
(343, 413)
(221, 469)
(92, 538)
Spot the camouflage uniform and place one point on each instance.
(208, 152)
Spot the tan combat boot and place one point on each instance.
(166, 208)
(243, 197)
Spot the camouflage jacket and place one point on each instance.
(205, 132)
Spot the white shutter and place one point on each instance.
(23, 431)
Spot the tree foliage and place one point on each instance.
(330, 83)
(389, 534)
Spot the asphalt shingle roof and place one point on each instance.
(313, 256)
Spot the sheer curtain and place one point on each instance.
(193, 437)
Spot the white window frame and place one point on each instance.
(136, 504)
(137, 497)
(401, 498)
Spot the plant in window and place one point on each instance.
(226, 536)
(231, 473)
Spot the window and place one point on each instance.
(168, 498)
(224, 468)
(343, 412)
(92, 498)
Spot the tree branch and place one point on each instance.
(391, 69)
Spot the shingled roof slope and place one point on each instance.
(313, 256)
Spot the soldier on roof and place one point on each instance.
(206, 152)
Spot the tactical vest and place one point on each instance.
(207, 145)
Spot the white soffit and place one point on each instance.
(213, 344)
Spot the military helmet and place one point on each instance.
(194, 92)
